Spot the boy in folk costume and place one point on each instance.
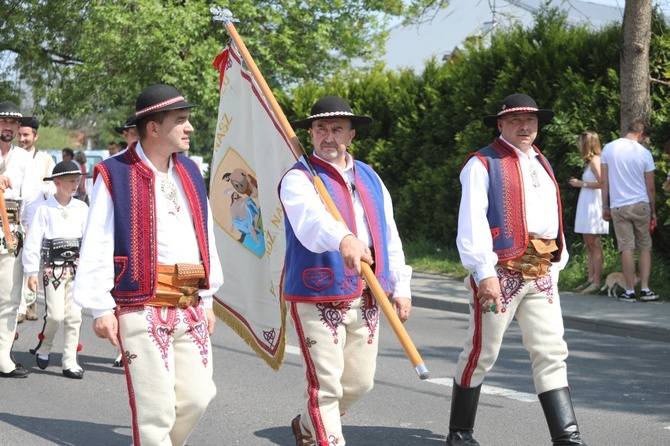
(53, 243)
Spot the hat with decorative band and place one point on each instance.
(519, 103)
(331, 107)
(30, 121)
(64, 168)
(158, 98)
(9, 110)
(128, 125)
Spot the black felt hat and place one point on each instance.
(128, 125)
(9, 110)
(30, 121)
(331, 107)
(519, 103)
(64, 168)
(158, 98)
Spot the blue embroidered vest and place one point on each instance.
(312, 277)
(131, 185)
(507, 210)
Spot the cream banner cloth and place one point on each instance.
(251, 154)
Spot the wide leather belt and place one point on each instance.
(178, 285)
(60, 251)
(535, 261)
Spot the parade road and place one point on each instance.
(620, 389)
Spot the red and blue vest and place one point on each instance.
(131, 184)
(507, 210)
(323, 277)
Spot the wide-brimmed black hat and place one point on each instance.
(128, 125)
(9, 110)
(519, 103)
(30, 121)
(331, 107)
(64, 168)
(158, 98)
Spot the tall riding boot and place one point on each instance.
(464, 401)
(557, 407)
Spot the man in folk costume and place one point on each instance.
(20, 187)
(149, 268)
(510, 237)
(334, 314)
(44, 164)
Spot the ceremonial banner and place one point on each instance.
(251, 154)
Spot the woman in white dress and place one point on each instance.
(588, 220)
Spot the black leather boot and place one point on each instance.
(557, 407)
(464, 401)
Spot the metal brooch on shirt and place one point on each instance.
(352, 188)
(169, 191)
(534, 174)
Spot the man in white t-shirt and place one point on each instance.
(629, 199)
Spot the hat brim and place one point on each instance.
(176, 106)
(356, 120)
(543, 116)
(119, 130)
(62, 174)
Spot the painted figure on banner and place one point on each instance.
(247, 220)
(243, 183)
(242, 218)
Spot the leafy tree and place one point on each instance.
(79, 57)
(635, 40)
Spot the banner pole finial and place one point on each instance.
(222, 15)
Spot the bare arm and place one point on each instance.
(595, 168)
(651, 193)
(606, 192)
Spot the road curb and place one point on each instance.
(608, 327)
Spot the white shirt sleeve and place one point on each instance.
(401, 273)
(312, 224)
(95, 272)
(215, 268)
(32, 246)
(474, 241)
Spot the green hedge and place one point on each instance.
(426, 124)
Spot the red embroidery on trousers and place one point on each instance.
(312, 380)
(476, 339)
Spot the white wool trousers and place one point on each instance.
(338, 342)
(11, 285)
(536, 306)
(168, 360)
(60, 309)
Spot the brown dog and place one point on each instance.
(615, 280)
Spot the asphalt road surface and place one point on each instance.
(620, 387)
